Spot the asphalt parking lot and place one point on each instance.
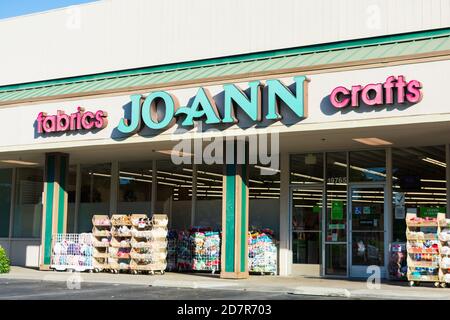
(53, 290)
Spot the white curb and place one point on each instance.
(322, 291)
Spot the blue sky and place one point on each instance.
(13, 8)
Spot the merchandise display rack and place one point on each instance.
(159, 224)
(72, 252)
(206, 251)
(444, 264)
(262, 252)
(172, 243)
(119, 251)
(423, 249)
(148, 244)
(198, 250)
(183, 251)
(101, 233)
(140, 245)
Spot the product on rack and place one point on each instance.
(184, 251)
(172, 238)
(262, 252)
(119, 252)
(444, 238)
(197, 249)
(205, 249)
(121, 220)
(423, 248)
(148, 243)
(72, 251)
(101, 232)
(397, 261)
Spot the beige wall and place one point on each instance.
(119, 34)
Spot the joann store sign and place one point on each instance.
(146, 110)
(161, 109)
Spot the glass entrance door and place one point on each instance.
(335, 232)
(367, 215)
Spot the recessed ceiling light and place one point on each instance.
(435, 162)
(372, 141)
(20, 162)
(175, 153)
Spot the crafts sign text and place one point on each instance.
(160, 109)
(392, 91)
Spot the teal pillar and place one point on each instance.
(54, 211)
(234, 258)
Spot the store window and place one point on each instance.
(306, 168)
(264, 198)
(208, 211)
(307, 178)
(336, 214)
(174, 193)
(419, 184)
(5, 201)
(95, 194)
(366, 166)
(135, 187)
(28, 205)
(71, 192)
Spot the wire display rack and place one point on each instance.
(72, 251)
(172, 243)
(262, 253)
(198, 250)
(206, 251)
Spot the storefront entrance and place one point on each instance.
(367, 231)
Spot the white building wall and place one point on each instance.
(120, 34)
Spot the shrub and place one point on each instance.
(4, 261)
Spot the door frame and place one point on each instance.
(376, 184)
(325, 242)
(312, 186)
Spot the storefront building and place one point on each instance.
(358, 130)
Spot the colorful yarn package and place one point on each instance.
(206, 250)
(72, 250)
(262, 252)
(172, 239)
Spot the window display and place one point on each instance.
(5, 201)
(135, 187)
(27, 219)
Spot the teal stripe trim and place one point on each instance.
(62, 191)
(49, 208)
(230, 217)
(244, 218)
(413, 36)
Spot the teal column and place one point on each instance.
(54, 211)
(235, 221)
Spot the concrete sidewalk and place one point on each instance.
(294, 285)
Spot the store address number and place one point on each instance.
(337, 180)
